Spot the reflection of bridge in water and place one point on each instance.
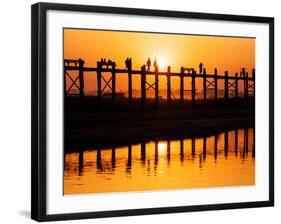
(108, 164)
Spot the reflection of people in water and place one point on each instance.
(200, 67)
(148, 63)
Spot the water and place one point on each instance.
(163, 165)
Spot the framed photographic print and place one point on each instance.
(139, 111)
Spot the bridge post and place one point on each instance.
(226, 85)
(236, 85)
(204, 85)
(64, 80)
(99, 68)
(193, 88)
(169, 85)
(81, 77)
(113, 82)
(246, 85)
(130, 92)
(156, 86)
(182, 86)
(216, 83)
(143, 84)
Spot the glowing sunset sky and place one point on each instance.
(224, 53)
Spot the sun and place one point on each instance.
(162, 146)
(162, 63)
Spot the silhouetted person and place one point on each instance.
(130, 62)
(200, 67)
(243, 72)
(148, 63)
(127, 63)
(110, 63)
(155, 64)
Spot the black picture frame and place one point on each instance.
(38, 107)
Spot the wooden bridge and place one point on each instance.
(210, 81)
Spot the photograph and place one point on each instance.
(153, 111)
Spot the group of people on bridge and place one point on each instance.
(148, 64)
(107, 63)
(128, 64)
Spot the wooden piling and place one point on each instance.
(99, 68)
(253, 80)
(130, 86)
(156, 86)
(113, 83)
(182, 85)
(64, 80)
(216, 83)
(169, 85)
(204, 85)
(143, 84)
(236, 85)
(226, 85)
(246, 85)
(193, 88)
(81, 77)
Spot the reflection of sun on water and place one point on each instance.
(162, 146)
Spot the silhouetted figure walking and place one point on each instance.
(148, 63)
(155, 64)
(130, 63)
(243, 72)
(200, 67)
(127, 63)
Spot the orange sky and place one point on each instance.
(225, 53)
